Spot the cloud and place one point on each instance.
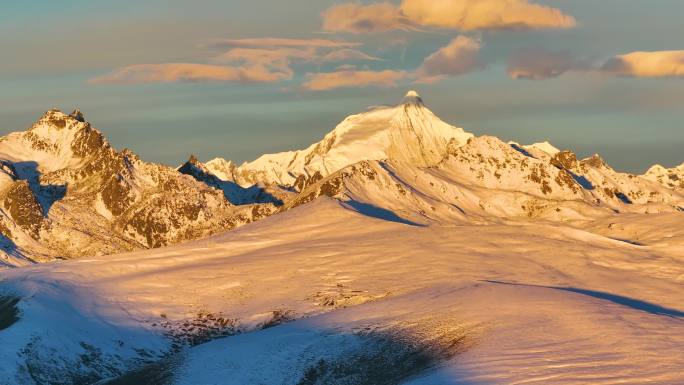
(271, 42)
(470, 15)
(276, 60)
(189, 72)
(539, 64)
(643, 64)
(358, 18)
(465, 15)
(352, 78)
(460, 56)
(347, 54)
(246, 61)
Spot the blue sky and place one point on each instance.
(53, 51)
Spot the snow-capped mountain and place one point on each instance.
(67, 193)
(408, 133)
(488, 180)
(408, 161)
(669, 177)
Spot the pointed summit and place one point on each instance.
(78, 115)
(408, 133)
(412, 98)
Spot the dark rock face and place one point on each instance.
(24, 208)
(193, 168)
(9, 312)
(565, 160)
(116, 195)
(234, 193)
(594, 161)
(304, 181)
(78, 115)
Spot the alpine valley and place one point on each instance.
(397, 250)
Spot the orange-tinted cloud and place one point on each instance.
(276, 60)
(538, 64)
(352, 78)
(246, 60)
(189, 72)
(463, 15)
(460, 56)
(643, 64)
(282, 57)
(485, 14)
(346, 54)
(358, 18)
(272, 42)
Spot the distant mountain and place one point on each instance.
(409, 133)
(487, 180)
(669, 177)
(65, 192)
(405, 162)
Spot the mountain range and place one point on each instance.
(65, 192)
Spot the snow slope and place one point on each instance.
(408, 132)
(672, 177)
(521, 302)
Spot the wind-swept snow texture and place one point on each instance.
(538, 303)
(398, 250)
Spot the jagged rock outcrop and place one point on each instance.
(23, 207)
(96, 200)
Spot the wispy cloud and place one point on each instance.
(539, 64)
(347, 54)
(188, 72)
(358, 18)
(348, 78)
(242, 60)
(272, 42)
(460, 56)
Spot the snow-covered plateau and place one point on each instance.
(397, 250)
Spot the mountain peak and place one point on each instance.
(78, 115)
(412, 98)
(56, 118)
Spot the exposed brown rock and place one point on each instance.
(565, 160)
(24, 208)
